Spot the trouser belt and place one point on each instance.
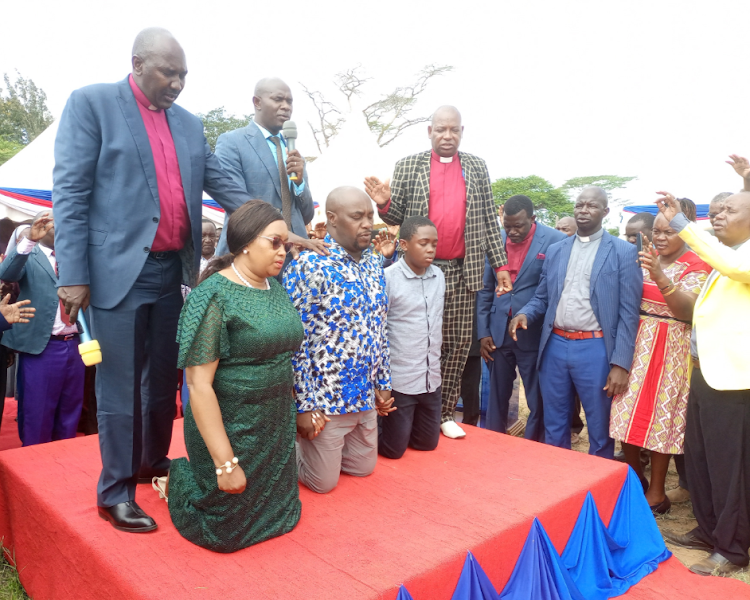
(577, 335)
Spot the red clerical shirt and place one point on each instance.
(517, 253)
(174, 222)
(447, 206)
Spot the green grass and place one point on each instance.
(10, 586)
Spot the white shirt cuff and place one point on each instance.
(25, 246)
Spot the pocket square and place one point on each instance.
(541, 256)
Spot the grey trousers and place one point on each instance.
(348, 443)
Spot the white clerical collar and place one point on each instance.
(590, 238)
(446, 159)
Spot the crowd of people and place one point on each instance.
(307, 352)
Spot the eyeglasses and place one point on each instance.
(277, 242)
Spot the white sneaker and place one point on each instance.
(160, 485)
(451, 430)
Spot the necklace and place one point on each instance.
(246, 282)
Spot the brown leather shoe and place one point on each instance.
(715, 564)
(678, 495)
(686, 540)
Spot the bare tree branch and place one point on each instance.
(328, 125)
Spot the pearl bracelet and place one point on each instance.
(229, 466)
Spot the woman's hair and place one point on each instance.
(245, 224)
(688, 208)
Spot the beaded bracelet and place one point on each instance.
(229, 466)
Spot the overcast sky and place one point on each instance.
(560, 89)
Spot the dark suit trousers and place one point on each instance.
(717, 457)
(136, 380)
(414, 423)
(502, 375)
(470, 382)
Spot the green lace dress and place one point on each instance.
(253, 333)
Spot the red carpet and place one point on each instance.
(411, 522)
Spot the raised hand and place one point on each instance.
(668, 205)
(20, 312)
(40, 227)
(650, 260)
(740, 164)
(385, 243)
(379, 191)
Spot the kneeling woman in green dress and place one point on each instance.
(238, 331)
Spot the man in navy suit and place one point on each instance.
(251, 157)
(526, 243)
(130, 171)
(588, 300)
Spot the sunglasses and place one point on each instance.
(277, 242)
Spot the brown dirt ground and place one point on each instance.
(680, 518)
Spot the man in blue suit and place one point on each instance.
(526, 243)
(50, 370)
(251, 157)
(130, 171)
(588, 300)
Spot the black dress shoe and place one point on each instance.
(127, 516)
(686, 540)
(620, 456)
(147, 475)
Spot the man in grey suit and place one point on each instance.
(130, 171)
(251, 156)
(587, 300)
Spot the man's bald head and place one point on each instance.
(446, 111)
(350, 218)
(344, 197)
(567, 225)
(159, 66)
(446, 131)
(597, 193)
(272, 101)
(732, 224)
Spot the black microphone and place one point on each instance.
(289, 130)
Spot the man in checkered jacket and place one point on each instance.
(453, 190)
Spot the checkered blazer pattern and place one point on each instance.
(410, 194)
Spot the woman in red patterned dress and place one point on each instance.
(651, 412)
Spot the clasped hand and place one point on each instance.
(234, 482)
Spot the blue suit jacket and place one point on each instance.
(38, 283)
(492, 312)
(616, 290)
(105, 196)
(245, 155)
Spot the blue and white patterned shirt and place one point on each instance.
(344, 356)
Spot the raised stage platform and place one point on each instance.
(410, 523)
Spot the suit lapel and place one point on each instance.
(260, 145)
(38, 254)
(183, 154)
(534, 247)
(468, 175)
(562, 267)
(423, 182)
(129, 107)
(601, 257)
